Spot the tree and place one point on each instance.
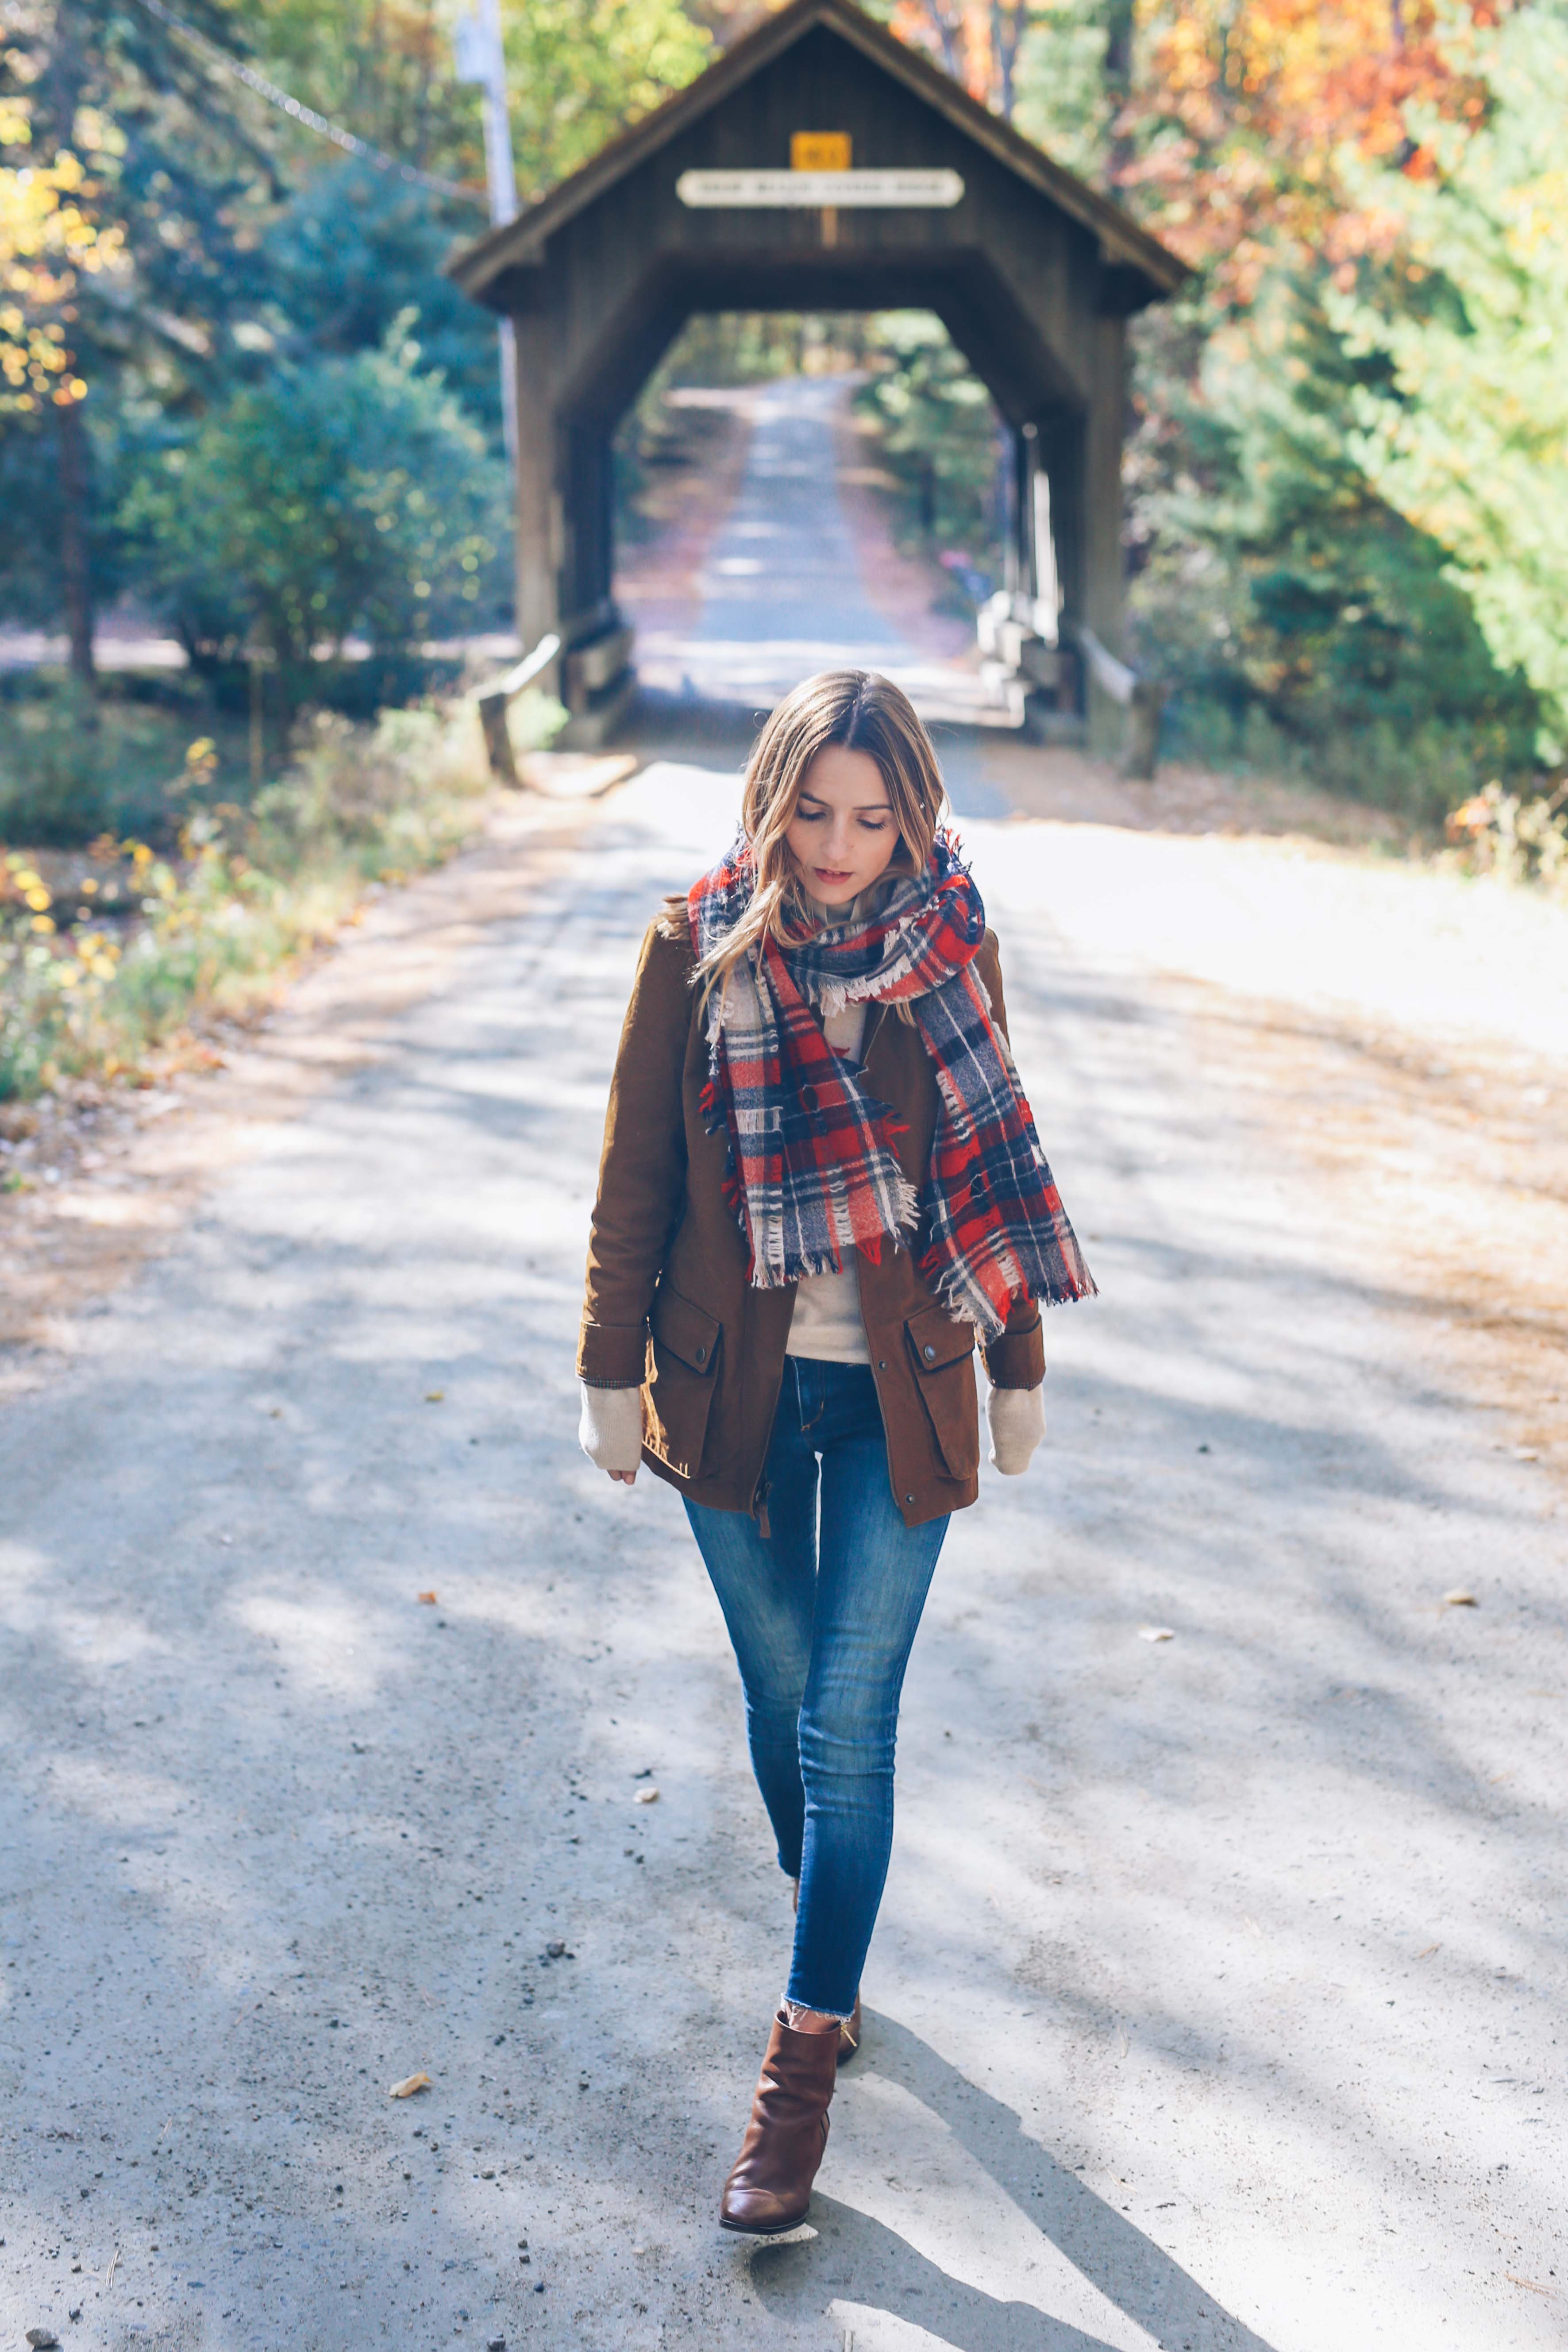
(338, 496)
(977, 41)
(1242, 115)
(1464, 428)
(581, 71)
(49, 244)
(154, 179)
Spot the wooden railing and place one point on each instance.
(1141, 697)
(493, 703)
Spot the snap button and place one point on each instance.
(909, 1498)
(881, 1363)
(701, 1355)
(930, 1354)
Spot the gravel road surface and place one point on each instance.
(354, 1728)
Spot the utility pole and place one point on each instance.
(480, 59)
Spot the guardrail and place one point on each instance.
(493, 701)
(1143, 700)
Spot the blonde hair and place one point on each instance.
(861, 711)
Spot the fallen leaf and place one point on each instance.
(1460, 1601)
(435, 1396)
(1526, 1453)
(409, 2084)
(1156, 1634)
(427, 1598)
(646, 1797)
(1534, 2285)
(1428, 1952)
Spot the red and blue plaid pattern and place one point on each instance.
(813, 1171)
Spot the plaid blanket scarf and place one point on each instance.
(812, 1169)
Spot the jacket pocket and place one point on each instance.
(679, 1392)
(943, 1352)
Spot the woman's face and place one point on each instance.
(842, 834)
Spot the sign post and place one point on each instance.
(821, 151)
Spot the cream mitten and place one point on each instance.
(1018, 1423)
(610, 1428)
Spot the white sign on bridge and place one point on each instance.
(750, 191)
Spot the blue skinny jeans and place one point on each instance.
(823, 1614)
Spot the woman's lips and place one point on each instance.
(827, 874)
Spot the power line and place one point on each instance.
(297, 111)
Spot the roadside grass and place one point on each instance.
(109, 954)
(74, 766)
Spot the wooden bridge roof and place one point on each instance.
(1128, 248)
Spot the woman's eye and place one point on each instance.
(874, 824)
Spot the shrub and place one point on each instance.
(342, 496)
(249, 889)
(1517, 839)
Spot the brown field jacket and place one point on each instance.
(668, 1304)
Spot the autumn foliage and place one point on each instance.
(1233, 140)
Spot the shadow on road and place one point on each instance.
(869, 2263)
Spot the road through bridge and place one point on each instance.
(1216, 2000)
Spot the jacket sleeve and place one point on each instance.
(1016, 1359)
(642, 1171)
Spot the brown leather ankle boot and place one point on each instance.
(770, 2187)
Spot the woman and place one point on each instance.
(820, 1182)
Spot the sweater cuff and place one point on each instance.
(611, 1355)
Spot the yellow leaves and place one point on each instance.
(409, 2084)
(49, 238)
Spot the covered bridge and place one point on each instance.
(698, 207)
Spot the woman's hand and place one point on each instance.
(1017, 1423)
(610, 1431)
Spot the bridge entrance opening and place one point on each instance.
(799, 491)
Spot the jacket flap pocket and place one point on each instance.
(685, 1329)
(937, 1340)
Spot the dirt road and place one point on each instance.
(799, 574)
(1218, 1999)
